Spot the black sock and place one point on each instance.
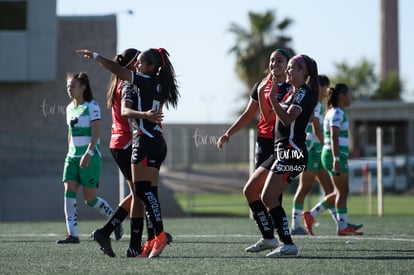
(150, 227)
(116, 219)
(262, 219)
(281, 224)
(137, 226)
(152, 206)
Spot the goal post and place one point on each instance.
(380, 186)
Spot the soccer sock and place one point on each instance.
(137, 226)
(297, 209)
(150, 227)
(114, 221)
(281, 224)
(319, 208)
(332, 210)
(144, 192)
(102, 206)
(71, 213)
(342, 218)
(262, 219)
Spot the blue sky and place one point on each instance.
(197, 37)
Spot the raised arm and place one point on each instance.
(266, 110)
(108, 64)
(288, 116)
(241, 122)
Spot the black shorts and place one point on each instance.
(123, 159)
(264, 149)
(287, 161)
(151, 151)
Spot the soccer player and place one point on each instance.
(83, 159)
(157, 86)
(288, 160)
(335, 153)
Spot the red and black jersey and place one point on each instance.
(121, 134)
(265, 129)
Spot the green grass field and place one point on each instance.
(213, 246)
(210, 204)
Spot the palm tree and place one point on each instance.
(254, 46)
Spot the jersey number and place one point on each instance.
(156, 105)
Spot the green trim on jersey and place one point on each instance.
(78, 119)
(336, 117)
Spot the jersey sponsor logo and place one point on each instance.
(159, 88)
(73, 121)
(300, 97)
(337, 119)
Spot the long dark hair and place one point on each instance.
(83, 79)
(334, 93)
(165, 70)
(312, 80)
(124, 59)
(324, 80)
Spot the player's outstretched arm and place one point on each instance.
(108, 64)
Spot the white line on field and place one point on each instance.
(400, 238)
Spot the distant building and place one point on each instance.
(34, 60)
(396, 118)
(28, 44)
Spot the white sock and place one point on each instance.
(296, 217)
(317, 209)
(103, 207)
(71, 215)
(333, 213)
(342, 217)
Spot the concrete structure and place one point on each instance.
(33, 113)
(395, 117)
(33, 98)
(33, 46)
(389, 38)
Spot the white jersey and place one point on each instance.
(78, 119)
(311, 137)
(336, 117)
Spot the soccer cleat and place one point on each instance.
(160, 242)
(169, 238)
(284, 250)
(104, 242)
(298, 231)
(349, 231)
(69, 239)
(146, 248)
(308, 221)
(263, 244)
(355, 226)
(133, 252)
(119, 232)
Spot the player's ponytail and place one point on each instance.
(165, 71)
